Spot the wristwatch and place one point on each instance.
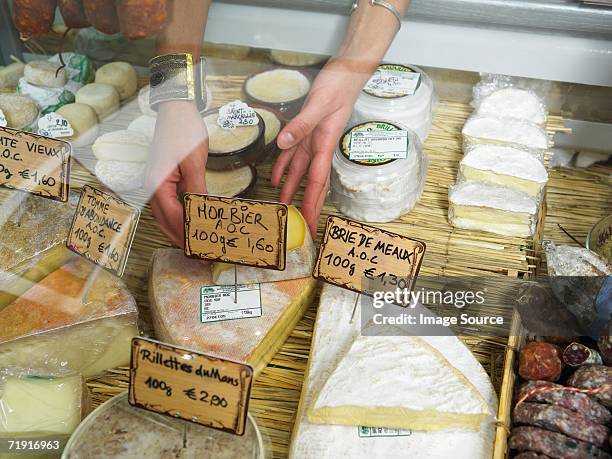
(175, 77)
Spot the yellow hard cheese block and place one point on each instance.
(400, 382)
(175, 285)
(42, 406)
(300, 258)
(54, 328)
(33, 230)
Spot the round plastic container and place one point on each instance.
(233, 183)
(118, 430)
(379, 100)
(231, 149)
(377, 190)
(282, 89)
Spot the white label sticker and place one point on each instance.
(54, 125)
(3, 122)
(365, 145)
(395, 82)
(219, 303)
(365, 431)
(235, 114)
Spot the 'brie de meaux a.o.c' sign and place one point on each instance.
(35, 164)
(232, 230)
(365, 259)
(190, 385)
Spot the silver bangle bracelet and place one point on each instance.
(388, 6)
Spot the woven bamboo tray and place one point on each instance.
(575, 199)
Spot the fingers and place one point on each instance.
(281, 164)
(193, 171)
(312, 217)
(297, 169)
(168, 211)
(302, 125)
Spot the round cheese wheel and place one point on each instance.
(20, 111)
(121, 75)
(45, 73)
(122, 145)
(103, 98)
(121, 175)
(84, 123)
(145, 125)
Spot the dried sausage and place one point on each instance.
(73, 13)
(559, 419)
(102, 15)
(605, 344)
(34, 17)
(553, 444)
(540, 361)
(530, 455)
(575, 401)
(577, 354)
(142, 18)
(598, 377)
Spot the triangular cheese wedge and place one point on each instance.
(52, 328)
(174, 291)
(399, 382)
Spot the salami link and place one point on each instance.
(555, 445)
(33, 17)
(559, 419)
(577, 354)
(73, 13)
(575, 401)
(597, 377)
(102, 15)
(540, 361)
(142, 18)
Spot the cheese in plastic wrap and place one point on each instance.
(46, 409)
(34, 230)
(175, 283)
(59, 326)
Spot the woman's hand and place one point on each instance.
(309, 140)
(178, 163)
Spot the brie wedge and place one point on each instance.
(505, 166)
(333, 338)
(499, 210)
(479, 129)
(401, 382)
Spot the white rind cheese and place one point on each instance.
(103, 98)
(122, 145)
(332, 339)
(400, 382)
(513, 103)
(500, 210)
(479, 129)
(505, 166)
(145, 125)
(121, 175)
(121, 75)
(46, 74)
(83, 121)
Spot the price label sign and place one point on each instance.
(103, 229)
(54, 125)
(240, 231)
(366, 259)
(35, 164)
(189, 385)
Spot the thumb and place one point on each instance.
(300, 126)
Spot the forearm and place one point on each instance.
(370, 33)
(185, 31)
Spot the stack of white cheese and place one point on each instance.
(390, 396)
(502, 175)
